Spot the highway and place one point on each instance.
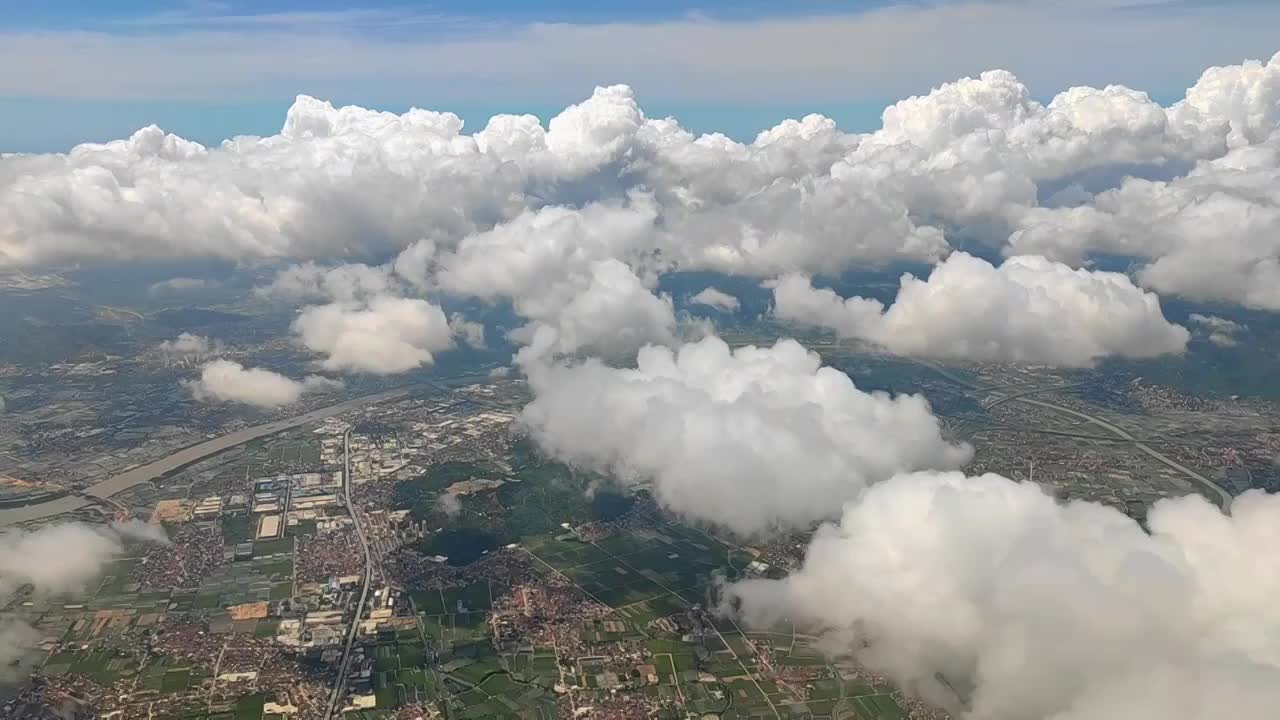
(186, 456)
(344, 665)
(1223, 497)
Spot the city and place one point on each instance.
(412, 556)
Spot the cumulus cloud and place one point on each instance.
(1027, 310)
(227, 381)
(470, 332)
(1213, 234)
(538, 256)
(706, 426)
(987, 597)
(384, 336)
(582, 277)
(574, 221)
(971, 157)
(309, 282)
(368, 321)
(1220, 331)
(188, 345)
(137, 530)
(558, 266)
(179, 285)
(718, 299)
(1210, 233)
(55, 559)
(611, 313)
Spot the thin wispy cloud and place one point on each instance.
(391, 55)
(348, 20)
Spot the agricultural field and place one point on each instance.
(103, 631)
(586, 599)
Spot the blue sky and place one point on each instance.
(83, 70)
(88, 13)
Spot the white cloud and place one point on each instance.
(1213, 234)
(16, 636)
(353, 282)
(613, 314)
(540, 257)
(134, 529)
(708, 427)
(840, 56)
(384, 336)
(325, 187)
(227, 381)
(189, 345)
(522, 211)
(1221, 331)
(179, 285)
(367, 324)
(1027, 310)
(1030, 609)
(795, 299)
(470, 332)
(718, 299)
(571, 272)
(449, 504)
(55, 559)
(803, 196)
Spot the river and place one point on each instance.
(193, 453)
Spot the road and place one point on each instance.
(1223, 497)
(345, 663)
(186, 456)
(1033, 391)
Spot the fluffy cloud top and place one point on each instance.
(227, 381)
(1027, 310)
(973, 158)
(611, 314)
(1032, 609)
(575, 274)
(1212, 234)
(573, 222)
(707, 426)
(718, 299)
(537, 255)
(386, 335)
